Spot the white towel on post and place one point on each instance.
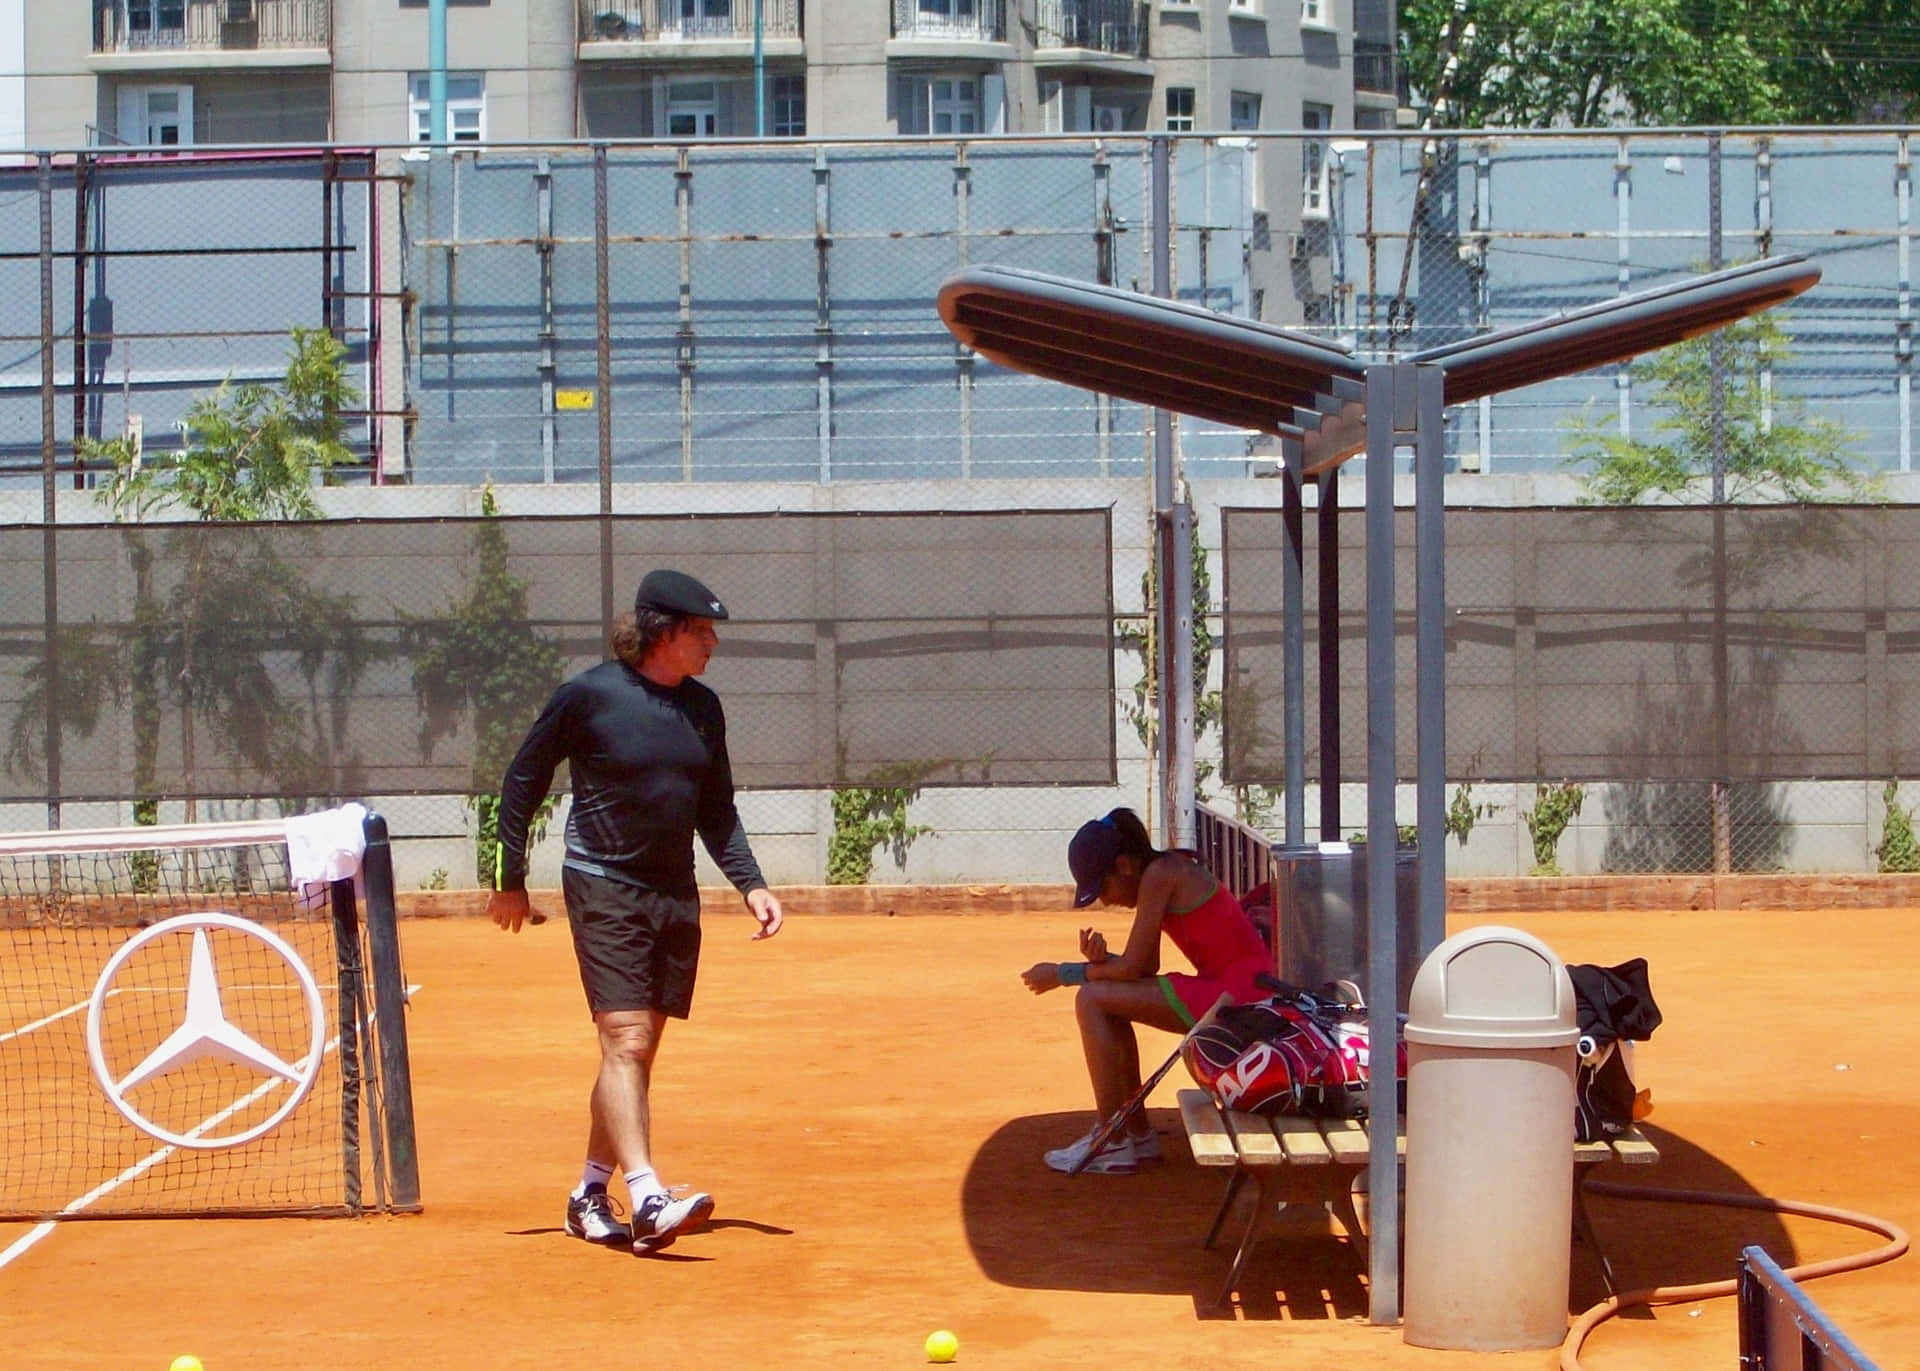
(325, 847)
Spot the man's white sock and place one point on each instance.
(594, 1173)
(643, 1183)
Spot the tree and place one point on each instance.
(1591, 63)
(233, 605)
(482, 660)
(1769, 449)
(1772, 449)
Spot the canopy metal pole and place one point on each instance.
(1293, 650)
(1430, 663)
(1390, 412)
(1173, 541)
(1326, 557)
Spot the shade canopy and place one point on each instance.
(1273, 380)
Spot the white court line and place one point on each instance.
(27, 1028)
(32, 1236)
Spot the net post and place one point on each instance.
(352, 1011)
(390, 1013)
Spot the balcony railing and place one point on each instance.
(1373, 66)
(685, 21)
(210, 25)
(971, 21)
(1115, 26)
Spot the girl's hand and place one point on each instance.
(1093, 945)
(1042, 977)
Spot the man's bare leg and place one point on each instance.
(621, 1127)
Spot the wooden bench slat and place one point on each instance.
(1634, 1148)
(1300, 1139)
(1206, 1131)
(1255, 1138)
(1347, 1139)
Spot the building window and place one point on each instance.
(1245, 114)
(939, 103)
(1313, 161)
(1179, 109)
(706, 18)
(693, 109)
(156, 116)
(789, 107)
(157, 17)
(1314, 14)
(466, 107)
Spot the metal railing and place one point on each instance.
(1241, 856)
(1115, 26)
(210, 25)
(977, 21)
(685, 21)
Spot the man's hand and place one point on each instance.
(1093, 944)
(509, 909)
(765, 908)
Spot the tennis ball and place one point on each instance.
(186, 1362)
(942, 1346)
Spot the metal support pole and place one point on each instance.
(83, 344)
(823, 312)
(1717, 441)
(1173, 529)
(603, 381)
(1430, 662)
(1390, 411)
(548, 365)
(436, 71)
(49, 507)
(1293, 651)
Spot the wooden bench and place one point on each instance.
(1317, 1161)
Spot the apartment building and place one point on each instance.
(353, 71)
(200, 72)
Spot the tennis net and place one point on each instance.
(185, 1032)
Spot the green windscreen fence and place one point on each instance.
(1743, 643)
(391, 657)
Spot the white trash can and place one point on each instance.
(1491, 1029)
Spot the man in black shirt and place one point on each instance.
(646, 745)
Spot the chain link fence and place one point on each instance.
(625, 330)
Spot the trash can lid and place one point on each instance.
(1495, 988)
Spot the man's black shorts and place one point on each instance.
(637, 948)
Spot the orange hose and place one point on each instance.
(1896, 1245)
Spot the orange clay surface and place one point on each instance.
(868, 1097)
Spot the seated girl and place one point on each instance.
(1115, 862)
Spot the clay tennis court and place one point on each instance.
(868, 1096)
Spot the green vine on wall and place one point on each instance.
(1554, 807)
(1898, 848)
(866, 819)
(1463, 812)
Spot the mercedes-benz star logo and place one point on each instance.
(206, 1031)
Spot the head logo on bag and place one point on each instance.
(1291, 1054)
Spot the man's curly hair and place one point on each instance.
(637, 631)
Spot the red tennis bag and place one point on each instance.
(1293, 1053)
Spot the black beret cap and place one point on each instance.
(678, 593)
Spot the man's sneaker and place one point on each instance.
(592, 1216)
(664, 1216)
(1120, 1157)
